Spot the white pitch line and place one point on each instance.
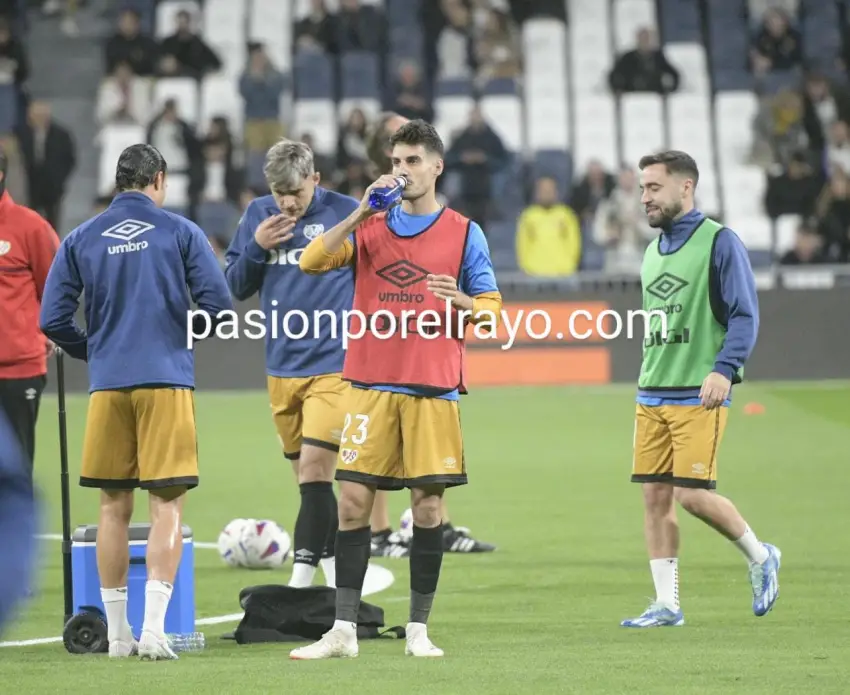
(377, 579)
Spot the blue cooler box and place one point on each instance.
(180, 617)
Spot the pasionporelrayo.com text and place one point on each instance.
(350, 325)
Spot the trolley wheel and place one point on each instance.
(85, 633)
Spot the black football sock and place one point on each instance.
(383, 534)
(333, 515)
(426, 558)
(313, 523)
(353, 549)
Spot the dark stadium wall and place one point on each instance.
(804, 334)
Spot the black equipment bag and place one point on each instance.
(275, 613)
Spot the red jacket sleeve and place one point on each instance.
(43, 244)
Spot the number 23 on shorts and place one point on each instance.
(354, 430)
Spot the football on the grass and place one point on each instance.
(254, 544)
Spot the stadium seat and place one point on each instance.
(218, 219)
(220, 97)
(595, 132)
(184, 91)
(731, 109)
(744, 188)
(589, 47)
(225, 32)
(755, 231)
(786, 232)
(113, 140)
(690, 129)
(642, 126)
(360, 85)
(452, 107)
(404, 13)
(319, 118)
(630, 16)
(270, 23)
(8, 108)
(178, 193)
(690, 60)
(166, 16)
(556, 164)
(680, 21)
(546, 84)
(502, 108)
(314, 76)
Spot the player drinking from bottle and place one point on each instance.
(699, 273)
(134, 262)
(304, 379)
(402, 425)
(386, 542)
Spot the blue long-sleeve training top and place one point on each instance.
(140, 268)
(733, 291)
(287, 294)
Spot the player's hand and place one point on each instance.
(715, 390)
(50, 348)
(445, 287)
(386, 181)
(274, 231)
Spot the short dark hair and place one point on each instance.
(377, 141)
(419, 132)
(674, 161)
(138, 167)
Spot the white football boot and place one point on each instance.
(340, 642)
(155, 648)
(418, 643)
(123, 648)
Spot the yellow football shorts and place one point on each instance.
(394, 441)
(677, 444)
(307, 411)
(142, 437)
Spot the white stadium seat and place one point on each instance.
(596, 132)
(319, 118)
(629, 17)
(451, 114)
(220, 97)
(504, 114)
(113, 140)
(641, 125)
(184, 90)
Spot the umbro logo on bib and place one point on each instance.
(665, 286)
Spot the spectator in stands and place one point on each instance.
(823, 104)
(185, 54)
(808, 248)
(220, 176)
(776, 46)
(124, 98)
(351, 145)
(833, 212)
(476, 153)
(129, 45)
(16, 177)
(594, 188)
(317, 30)
(49, 156)
(794, 190)
(644, 69)
(14, 64)
(410, 95)
(455, 54)
(359, 28)
(620, 226)
(261, 86)
(838, 149)
(548, 241)
(779, 130)
(498, 50)
(354, 181)
(176, 140)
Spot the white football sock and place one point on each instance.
(665, 575)
(302, 575)
(344, 625)
(157, 596)
(752, 548)
(115, 603)
(329, 570)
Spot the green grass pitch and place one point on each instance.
(549, 473)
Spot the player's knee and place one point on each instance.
(316, 465)
(692, 500)
(427, 507)
(658, 498)
(117, 505)
(354, 508)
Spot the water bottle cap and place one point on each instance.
(402, 181)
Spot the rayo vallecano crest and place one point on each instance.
(311, 231)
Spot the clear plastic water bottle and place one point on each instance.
(384, 198)
(189, 642)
